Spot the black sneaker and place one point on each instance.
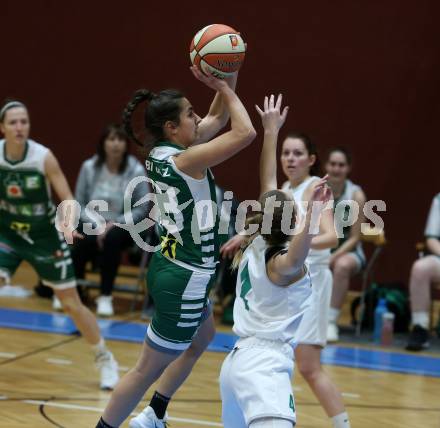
(418, 339)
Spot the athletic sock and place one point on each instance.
(103, 424)
(341, 421)
(420, 318)
(333, 315)
(159, 404)
(100, 348)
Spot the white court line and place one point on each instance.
(7, 355)
(100, 410)
(59, 361)
(3, 397)
(350, 395)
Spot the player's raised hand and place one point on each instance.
(271, 116)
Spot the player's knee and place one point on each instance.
(149, 373)
(343, 267)
(308, 369)
(71, 306)
(420, 268)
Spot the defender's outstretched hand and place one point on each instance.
(271, 116)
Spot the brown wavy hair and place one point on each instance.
(274, 236)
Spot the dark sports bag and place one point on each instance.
(397, 300)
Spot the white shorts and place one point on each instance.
(313, 327)
(255, 383)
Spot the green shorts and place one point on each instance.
(181, 304)
(49, 256)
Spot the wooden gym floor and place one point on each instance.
(48, 380)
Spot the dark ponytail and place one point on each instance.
(315, 169)
(139, 96)
(162, 107)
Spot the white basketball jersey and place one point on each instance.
(343, 202)
(33, 159)
(349, 189)
(432, 229)
(263, 309)
(315, 257)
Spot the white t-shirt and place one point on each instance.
(109, 187)
(432, 229)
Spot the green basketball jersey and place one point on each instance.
(188, 222)
(26, 207)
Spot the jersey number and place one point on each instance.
(62, 264)
(245, 285)
(292, 403)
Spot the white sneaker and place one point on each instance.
(105, 306)
(148, 419)
(56, 304)
(108, 367)
(332, 332)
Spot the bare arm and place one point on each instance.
(59, 183)
(218, 114)
(282, 268)
(355, 231)
(194, 160)
(433, 246)
(57, 178)
(272, 120)
(327, 237)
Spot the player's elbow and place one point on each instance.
(333, 240)
(246, 135)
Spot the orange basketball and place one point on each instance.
(217, 49)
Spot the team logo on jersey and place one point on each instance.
(234, 41)
(14, 191)
(14, 185)
(20, 227)
(33, 182)
(168, 246)
(25, 210)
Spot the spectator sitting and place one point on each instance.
(347, 258)
(105, 176)
(424, 272)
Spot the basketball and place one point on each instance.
(217, 49)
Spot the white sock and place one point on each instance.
(333, 315)
(341, 421)
(100, 348)
(420, 318)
